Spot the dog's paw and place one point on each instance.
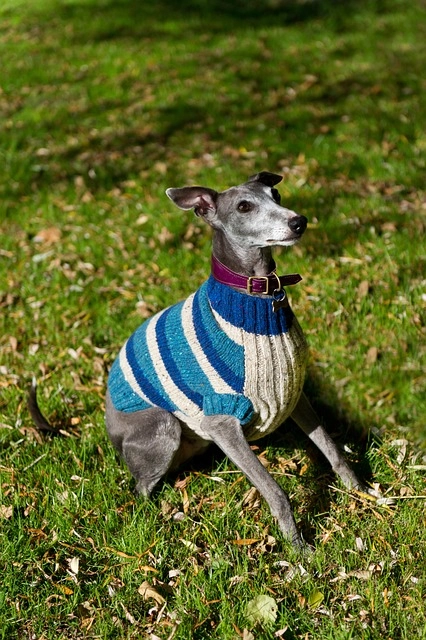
(301, 546)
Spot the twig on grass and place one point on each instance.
(34, 462)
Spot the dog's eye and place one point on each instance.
(244, 206)
(276, 196)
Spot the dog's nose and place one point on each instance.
(298, 224)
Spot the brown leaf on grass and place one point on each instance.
(85, 611)
(401, 445)
(267, 545)
(165, 236)
(50, 235)
(263, 459)
(121, 554)
(251, 499)
(65, 590)
(128, 615)
(148, 592)
(6, 512)
(388, 227)
(363, 289)
(245, 541)
(182, 483)
(146, 568)
(361, 574)
(185, 500)
(144, 309)
(286, 465)
(371, 355)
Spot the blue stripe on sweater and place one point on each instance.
(122, 395)
(224, 355)
(144, 371)
(177, 356)
(254, 314)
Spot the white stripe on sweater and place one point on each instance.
(219, 385)
(128, 374)
(179, 398)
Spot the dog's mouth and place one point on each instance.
(285, 241)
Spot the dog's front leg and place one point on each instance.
(306, 418)
(227, 433)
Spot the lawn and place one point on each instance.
(104, 104)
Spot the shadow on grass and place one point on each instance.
(115, 19)
(345, 431)
(111, 137)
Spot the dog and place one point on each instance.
(226, 365)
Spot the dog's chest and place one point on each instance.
(275, 368)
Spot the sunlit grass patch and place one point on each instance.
(105, 105)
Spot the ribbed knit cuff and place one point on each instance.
(229, 404)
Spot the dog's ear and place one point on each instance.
(201, 199)
(267, 178)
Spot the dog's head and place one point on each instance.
(250, 214)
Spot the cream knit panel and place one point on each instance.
(274, 373)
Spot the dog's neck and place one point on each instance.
(254, 261)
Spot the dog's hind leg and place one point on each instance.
(307, 419)
(147, 440)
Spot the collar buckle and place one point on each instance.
(263, 279)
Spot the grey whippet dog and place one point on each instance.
(227, 365)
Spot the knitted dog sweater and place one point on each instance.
(217, 352)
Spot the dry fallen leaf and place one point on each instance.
(190, 545)
(371, 356)
(182, 483)
(128, 615)
(359, 543)
(361, 574)
(246, 541)
(401, 444)
(51, 235)
(363, 289)
(6, 512)
(65, 590)
(389, 227)
(148, 592)
(74, 564)
(185, 500)
(251, 499)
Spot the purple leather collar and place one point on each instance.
(267, 285)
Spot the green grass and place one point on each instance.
(103, 106)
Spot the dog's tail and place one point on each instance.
(39, 420)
